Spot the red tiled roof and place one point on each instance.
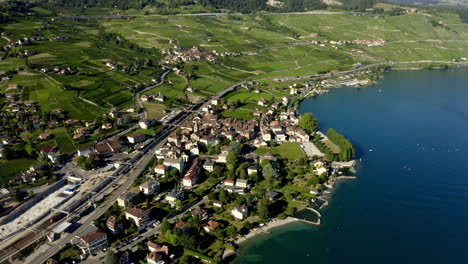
(93, 236)
(137, 212)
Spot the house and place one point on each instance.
(253, 169)
(154, 258)
(266, 135)
(106, 126)
(222, 158)
(78, 136)
(147, 123)
(160, 98)
(200, 213)
(314, 191)
(108, 146)
(175, 163)
(161, 169)
(90, 124)
(229, 182)
(209, 165)
(215, 101)
(262, 102)
(217, 203)
(80, 130)
(93, 241)
(272, 195)
(136, 138)
(183, 226)
(241, 183)
(114, 225)
(44, 135)
(138, 216)
(150, 187)
(13, 86)
(211, 226)
(153, 247)
(240, 212)
(191, 177)
(85, 152)
(125, 199)
(320, 167)
(173, 196)
(280, 136)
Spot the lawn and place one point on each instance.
(241, 114)
(290, 150)
(155, 111)
(334, 148)
(11, 168)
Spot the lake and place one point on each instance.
(410, 202)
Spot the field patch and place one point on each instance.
(85, 44)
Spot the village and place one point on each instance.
(209, 170)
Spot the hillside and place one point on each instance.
(284, 45)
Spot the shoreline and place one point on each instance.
(231, 255)
(393, 67)
(266, 229)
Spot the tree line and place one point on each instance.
(347, 151)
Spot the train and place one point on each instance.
(57, 217)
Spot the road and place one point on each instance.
(317, 12)
(137, 96)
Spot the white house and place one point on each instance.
(160, 169)
(240, 212)
(147, 123)
(93, 241)
(209, 165)
(136, 138)
(150, 187)
(137, 216)
(175, 163)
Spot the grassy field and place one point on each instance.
(290, 151)
(334, 148)
(11, 168)
(155, 111)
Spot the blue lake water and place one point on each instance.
(410, 203)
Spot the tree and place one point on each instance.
(18, 196)
(270, 174)
(235, 147)
(231, 161)
(262, 209)
(213, 196)
(308, 122)
(111, 258)
(165, 225)
(223, 196)
(231, 230)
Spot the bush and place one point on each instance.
(282, 216)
